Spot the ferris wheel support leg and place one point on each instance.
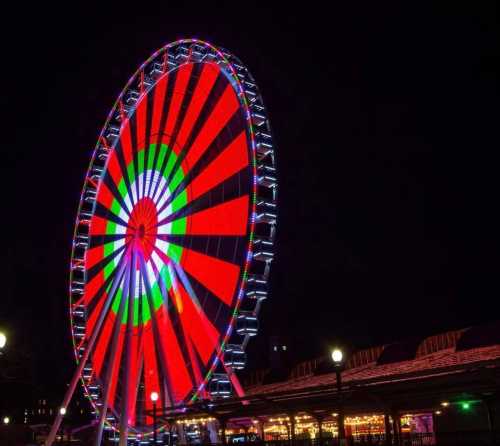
(110, 371)
(124, 418)
(85, 357)
(235, 382)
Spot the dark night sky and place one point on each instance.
(386, 121)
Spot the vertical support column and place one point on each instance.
(262, 432)
(181, 434)
(491, 421)
(320, 430)
(396, 425)
(223, 425)
(388, 430)
(155, 439)
(340, 419)
(292, 428)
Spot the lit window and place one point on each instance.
(284, 348)
(275, 348)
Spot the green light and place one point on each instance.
(465, 406)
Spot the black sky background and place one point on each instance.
(386, 122)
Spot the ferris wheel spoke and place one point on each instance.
(229, 162)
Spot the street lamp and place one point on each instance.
(154, 399)
(6, 420)
(3, 340)
(62, 411)
(338, 359)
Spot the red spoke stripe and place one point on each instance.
(222, 112)
(116, 370)
(102, 344)
(93, 286)
(126, 142)
(91, 321)
(229, 218)
(181, 83)
(93, 256)
(203, 87)
(199, 329)
(105, 196)
(216, 275)
(135, 360)
(151, 378)
(231, 160)
(178, 375)
(159, 98)
(141, 114)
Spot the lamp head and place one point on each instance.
(154, 396)
(337, 356)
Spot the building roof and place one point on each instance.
(431, 354)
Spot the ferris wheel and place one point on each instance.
(173, 238)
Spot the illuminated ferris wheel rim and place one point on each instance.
(263, 210)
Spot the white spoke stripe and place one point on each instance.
(165, 213)
(162, 246)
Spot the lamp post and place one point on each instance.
(62, 411)
(154, 399)
(6, 421)
(338, 359)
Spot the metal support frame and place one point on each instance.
(86, 354)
